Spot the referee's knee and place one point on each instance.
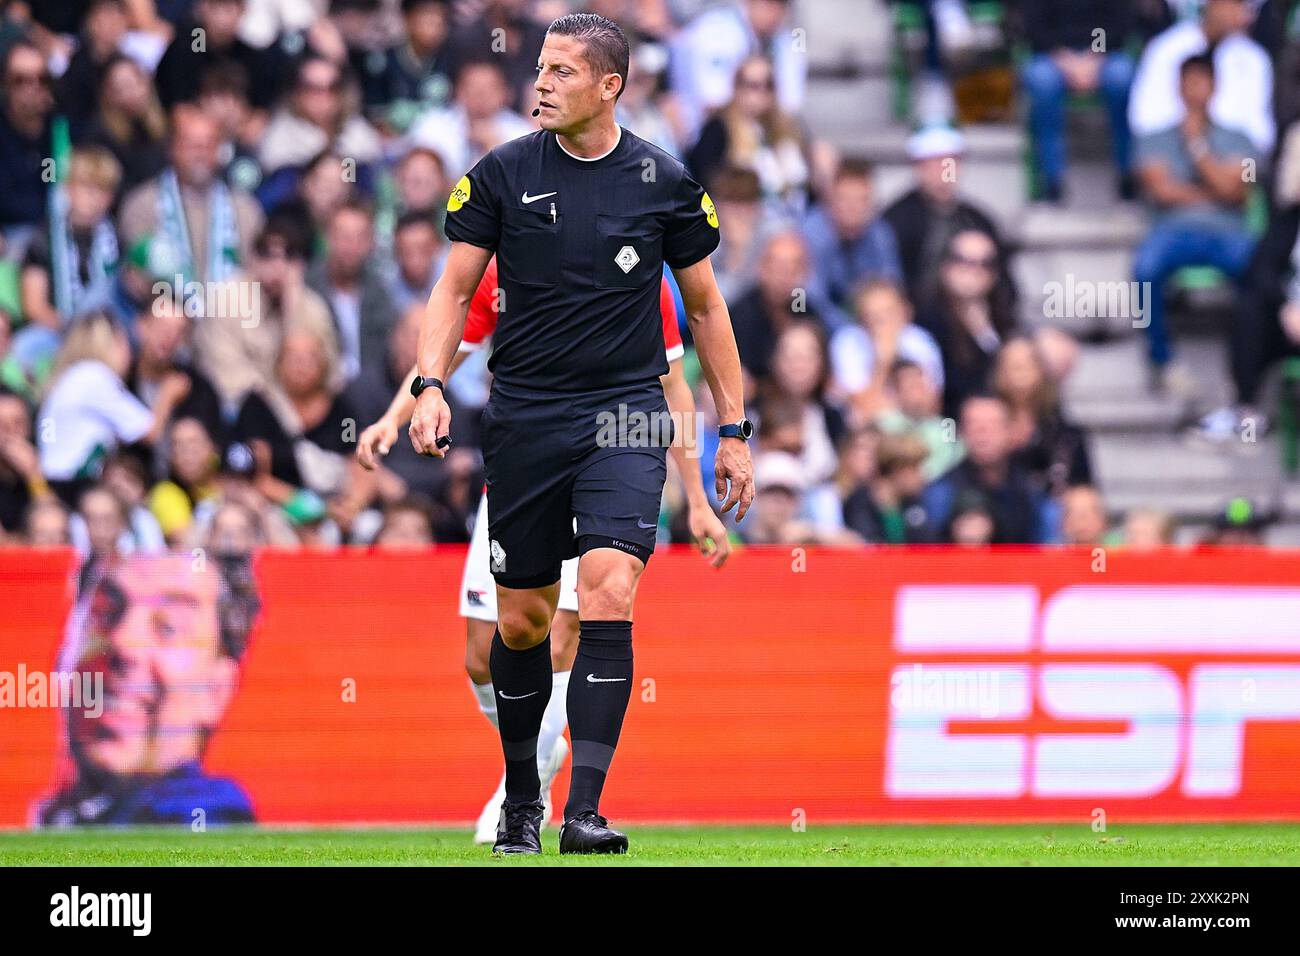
(523, 627)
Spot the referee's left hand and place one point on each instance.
(430, 421)
(733, 464)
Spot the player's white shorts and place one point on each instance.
(478, 592)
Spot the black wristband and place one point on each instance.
(421, 382)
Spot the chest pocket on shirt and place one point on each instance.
(629, 252)
(531, 245)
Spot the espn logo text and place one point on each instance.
(1121, 691)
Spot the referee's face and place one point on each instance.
(569, 91)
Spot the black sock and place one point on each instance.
(522, 681)
(599, 689)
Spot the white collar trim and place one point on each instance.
(592, 159)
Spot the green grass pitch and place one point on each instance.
(894, 845)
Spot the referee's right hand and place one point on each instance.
(430, 421)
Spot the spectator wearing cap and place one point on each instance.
(180, 72)
(849, 242)
(1192, 177)
(192, 218)
(927, 215)
(1242, 99)
(129, 122)
(1241, 524)
(25, 112)
(708, 51)
(887, 509)
(863, 353)
(317, 116)
(1021, 513)
(239, 356)
(1065, 61)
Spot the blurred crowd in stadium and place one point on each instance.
(295, 157)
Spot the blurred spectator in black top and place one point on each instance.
(1047, 446)
(163, 335)
(506, 33)
(102, 31)
(319, 114)
(416, 75)
(1020, 512)
(925, 217)
(20, 466)
(223, 95)
(129, 123)
(181, 70)
(776, 300)
(299, 430)
(968, 310)
(351, 283)
(24, 141)
(887, 509)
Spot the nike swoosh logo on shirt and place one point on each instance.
(593, 679)
(527, 198)
(520, 697)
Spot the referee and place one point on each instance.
(582, 215)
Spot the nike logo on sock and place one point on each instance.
(520, 697)
(593, 679)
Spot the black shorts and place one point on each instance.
(569, 472)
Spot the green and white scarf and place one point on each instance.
(223, 234)
(72, 295)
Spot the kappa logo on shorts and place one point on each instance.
(626, 259)
(498, 556)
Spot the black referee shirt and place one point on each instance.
(580, 251)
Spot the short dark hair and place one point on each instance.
(605, 42)
(415, 217)
(854, 168)
(1197, 61)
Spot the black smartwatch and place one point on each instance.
(743, 429)
(421, 382)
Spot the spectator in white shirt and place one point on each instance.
(1243, 95)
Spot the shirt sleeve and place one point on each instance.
(482, 319)
(673, 348)
(128, 417)
(691, 232)
(474, 207)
